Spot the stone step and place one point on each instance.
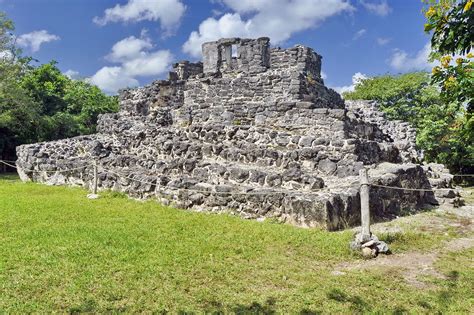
(209, 132)
(342, 161)
(215, 172)
(246, 107)
(326, 208)
(236, 146)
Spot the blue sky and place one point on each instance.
(119, 43)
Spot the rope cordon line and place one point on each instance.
(225, 192)
(44, 171)
(238, 193)
(411, 189)
(314, 191)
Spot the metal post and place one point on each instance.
(364, 204)
(95, 178)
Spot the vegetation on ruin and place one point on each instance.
(440, 105)
(39, 103)
(62, 252)
(445, 130)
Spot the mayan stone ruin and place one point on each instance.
(252, 131)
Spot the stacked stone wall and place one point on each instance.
(369, 122)
(251, 55)
(184, 70)
(258, 136)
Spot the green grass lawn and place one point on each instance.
(65, 253)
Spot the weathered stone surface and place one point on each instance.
(327, 166)
(251, 131)
(368, 122)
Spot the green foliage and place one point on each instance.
(86, 102)
(7, 44)
(451, 23)
(19, 114)
(445, 130)
(40, 103)
(69, 107)
(399, 96)
(456, 80)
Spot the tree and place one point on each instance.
(400, 97)
(7, 44)
(68, 107)
(451, 23)
(46, 85)
(444, 131)
(19, 114)
(40, 103)
(87, 102)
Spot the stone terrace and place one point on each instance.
(251, 131)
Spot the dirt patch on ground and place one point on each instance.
(412, 265)
(437, 220)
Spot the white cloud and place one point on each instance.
(383, 41)
(153, 63)
(129, 48)
(35, 39)
(277, 19)
(356, 79)
(381, 8)
(135, 59)
(359, 34)
(71, 74)
(168, 12)
(229, 25)
(324, 76)
(402, 61)
(111, 79)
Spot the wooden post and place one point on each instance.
(95, 178)
(364, 205)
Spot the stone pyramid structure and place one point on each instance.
(252, 130)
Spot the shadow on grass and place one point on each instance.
(268, 307)
(213, 307)
(357, 303)
(85, 307)
(446, 296)
(9, 176)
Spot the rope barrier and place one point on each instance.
(7, 164)
(194, 190)
(314, 191)
(38, 172)
(223, 192)
(412, 189)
